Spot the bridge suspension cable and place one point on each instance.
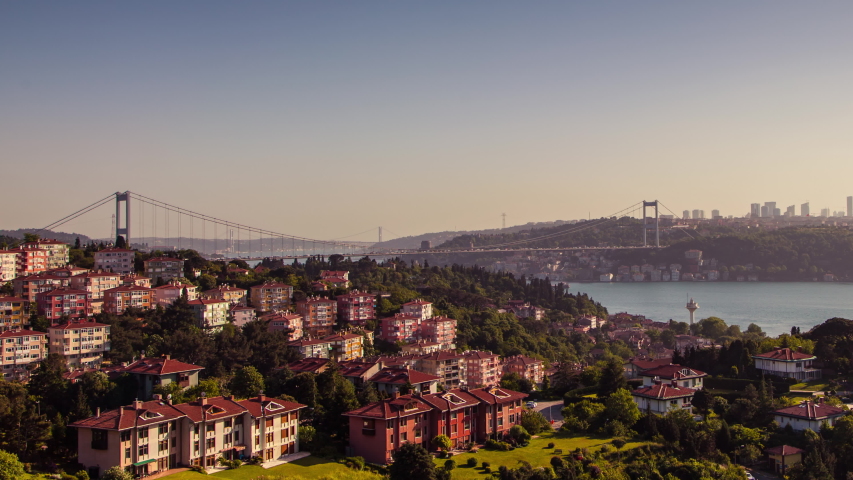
(78, 213)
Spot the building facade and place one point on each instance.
(119, 299)
(481, 369)
(64, 302)
(271, 296)
(8, 266)
(441, 330)
(210, 315)
(318, 315)
(57, 252)
(20, 352)
(165, 268)
(14, 313)
(115, 260)
(167, 294)
(355, 308)
(232, 295)
(83, 344)
(660, 398)
(787, 363)
(529, 368)
(807, 416)
(418, 308)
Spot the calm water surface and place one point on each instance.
(775, 307)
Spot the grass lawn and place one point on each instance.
(309, 467)
(812, 386)
(537, 453)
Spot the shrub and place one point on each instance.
(605, 449)
(82, 475)
(472, 462)
(355, 463)
(486, 464)
(198, 469)
(451, 464)
(65, 476)
(487, 470)
(496, 445)
(469, 446)
(551, 445)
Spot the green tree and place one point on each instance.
(116, 473)
(519, 435)
(620, 406)
(712, 327)
(442, 442)
(612, 377)
(10, 467)
(31, 237)
(247, 382)
(412, 461)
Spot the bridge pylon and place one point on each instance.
(123, 197)
(654, 225)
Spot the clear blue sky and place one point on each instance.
(327, 118)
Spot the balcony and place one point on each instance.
(368, 431)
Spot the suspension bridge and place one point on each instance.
(151, 224)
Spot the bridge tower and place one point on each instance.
(649, 226)
(125, 231)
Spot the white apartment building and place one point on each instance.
(210, 315)
(8, 262)
(20, 351)
(116, 260)
(83, 344)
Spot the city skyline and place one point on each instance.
(424, 118)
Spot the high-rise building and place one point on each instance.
(755, 210)
(824, 212)
(764, 211)
(791, 212)
(696, 214)
(850, 206)
(777, 212)
(771, 208)
(701, 213)
(715, 213)
(804, 210)
(686, 214)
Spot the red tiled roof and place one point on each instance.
(205, 301)
(66, 326)
(355, 368)
(63, 291)
(19, 333)
(306, 342)
(672, 371)
(784, 355)
(418, 302)
(494, 395)
(392, 408)
(179, 286)
(438, 356)
(97, 274)
(663, 391)
(649, 364)
(310, 364)
(163, 259)
(13, 299)
(450, 400)
(479, 355)
(113, 250)
(272, 285)
(783, 450)
(334, 280)
(128, 288)
(159, 366)
(222, 290)
(356, 294)
(810, 411)
(316, 300)
(399, 376)
(342, 336)
(257, 407)
(122, 418)
(214, 408)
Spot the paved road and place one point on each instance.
(551, 410)
(759, 475)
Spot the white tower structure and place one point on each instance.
(692, 306)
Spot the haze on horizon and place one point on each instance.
(323, 119)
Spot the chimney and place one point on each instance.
(673, 383)
(202, 400)
(396, 394)
(261, 397)
(168, 357)
(157, 397)
(656, 380)
(98, 412)
(137, 404)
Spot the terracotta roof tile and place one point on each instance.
(785, 355)
(810, 410)
(663, 391)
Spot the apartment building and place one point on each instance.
(29, 261)
(787, 363)
(150, 372)
(57, 252)
(14, 313)
(20, 352)
(355, 308)
(378, 429)
(115, 260)
(151, 437)
(392, 380)
(399, 328)
(8, 266)
(526, 367)
(64, 302)
(318, 315)
(270, 296)
(346, 346)
(418, 308)
(96, 283)
(481, 368)
(327, 274)
(286, 322)
(228, 293)
(83, 343)
(167, 294)
(441, 330)
(307, 348)
(119, 299)
(448, 366)
(67, 271)
(165, 268)
(136, 279)
(675, 375)
(30, 286)
(210, 315)
(241, 315)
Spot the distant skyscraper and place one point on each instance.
(850, 206)
(792, 212)
(755, 210)
(771, 208)
(701, 213)
(696, 214)
(715, 213)
(804, 210)
(764, 211)
(686, 214)
(824, 212)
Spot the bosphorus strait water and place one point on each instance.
(775, 307)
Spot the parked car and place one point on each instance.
(531, 404)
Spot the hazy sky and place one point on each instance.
(325, 119)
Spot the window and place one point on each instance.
(392, 438)
(125, 436)
(163, 429)
(163, 446)
(196, 447)
(417, 433)
(228, 423)
(270, 422)
(257, 440)
(99, 439)
(402, 422)
(143, 433)
(389, 425)
(143, 450)
(238, 421)
(270, 438)
(211, 428)
(211, 443)
(195, 429)
(127, 453)
(237, 436)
